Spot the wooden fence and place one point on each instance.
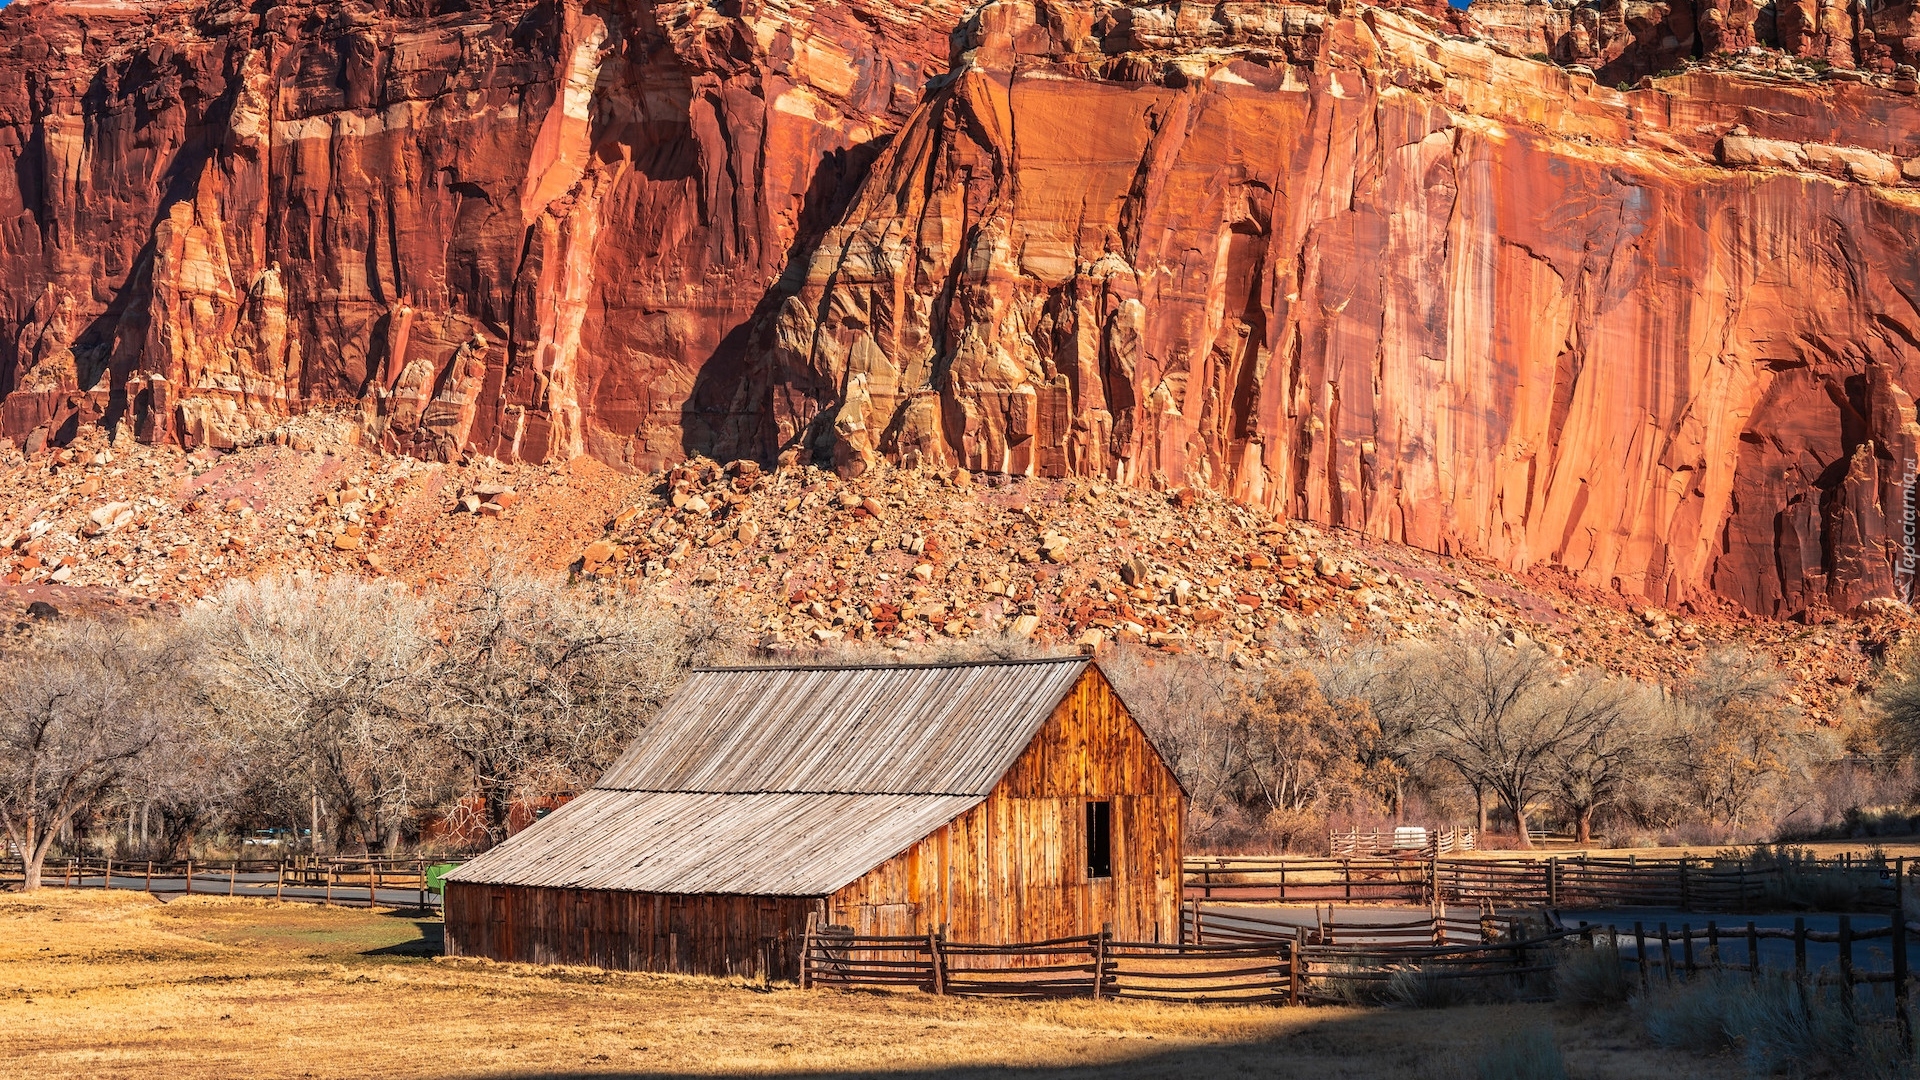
(1090, 966)
(1688, 884)
(1295, 969)
(344, 881)
(1450, 926)
(1353, 843)
(1737, 948)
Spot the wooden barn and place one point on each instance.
(1002, 801)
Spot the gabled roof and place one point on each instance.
(930, 729)
(788, 781)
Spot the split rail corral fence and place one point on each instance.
(1689, 884)
(342, 881)
(1234, 956)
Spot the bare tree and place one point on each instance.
(1501, 715)
(537, 685)
(1616, 753)
(1181, 703)
(1740, 741)
(324, 681)
(79, 707)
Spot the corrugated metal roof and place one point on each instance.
(771, 844)
(949, 729)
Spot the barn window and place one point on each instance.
(1099, 840)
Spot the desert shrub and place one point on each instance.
(1527, 1054)
(1804, 882)
(1592, 978)
(1424, 987)
(1778, 1026)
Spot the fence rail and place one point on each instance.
(1688, 884)
(342, 881)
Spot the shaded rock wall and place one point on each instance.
(527, 228)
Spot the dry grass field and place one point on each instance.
(116, 984)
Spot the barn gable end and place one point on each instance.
(1014, 867)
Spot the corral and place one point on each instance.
(991, 803)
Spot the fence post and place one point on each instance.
(1686, 948)
(423, 884)
(1899, 945)
(189, 877)
(806, 953)
(106, 881)
(938, 962)
(233, 876)
(279, 879)
(1100, 961)
(373, 880)
(1800, 949)
(1296, 967)
(1846, 962)
(1346, 875)
(1713, 945)
(1685, 904)
(1640, 953)
(68, 881)
(149, 876)
(1553, 884)
(328, 902)
(1199, 934)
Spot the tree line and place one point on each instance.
(367, 716)
(1492, 730)
(350, 712)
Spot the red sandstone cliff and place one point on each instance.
(1368, 274)
(530, 229)
(1374, 269)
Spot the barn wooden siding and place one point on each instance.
(750, 936)
(1014, 868)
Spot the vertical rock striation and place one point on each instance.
(529, 229)
(1366, 274)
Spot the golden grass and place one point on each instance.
(116, 984)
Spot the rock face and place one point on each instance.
(1371, 268)
(527, 229)
(1370, 276)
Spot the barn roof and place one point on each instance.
(788, 781)
(932, 729)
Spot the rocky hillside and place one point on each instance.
(799, 558)
(1619, 293)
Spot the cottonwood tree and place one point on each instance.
(1740, 739)
(79, 708)
(536, 686)
(1616, 753)
(1501, 714)
(324, 681)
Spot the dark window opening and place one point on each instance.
(1099, 840)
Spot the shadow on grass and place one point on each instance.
(430, 943)
(1396, 1044)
